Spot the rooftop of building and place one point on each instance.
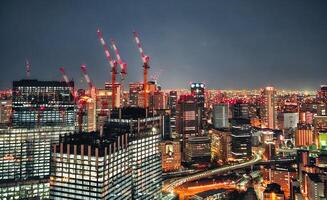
(315, 177)
(35, 82)
(130, 113)
(273, 188)
(209, 193)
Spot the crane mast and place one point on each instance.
(113, 65)
(146, 67)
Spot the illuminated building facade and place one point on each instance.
(42, 103)
(221, 115)
(25, 161)
(5, 111)
(268, 111)
(304, 135)
(281, 176)
(144, 136)
(91, 165)
(197, 149)
(171, 155)
(241, 147)
(198, 91)
(134, 90)
(187, 118)
(172, 106)
(221, 145)
(316, 187)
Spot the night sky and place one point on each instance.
(227, 44)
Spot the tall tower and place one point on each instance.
(268, 108)
(197, 90)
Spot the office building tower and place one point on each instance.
(197, 149)
(25, 160)
(172, 106)
(316, 187)
(320, 131)
(282, 176)
(221, 115)
(304, 135)
(187, 118)
(171, 155)
(108, 87)
(91, 165)
(221, 145)
(241, 142)
(268, 108)
(290, 120)
(322, 93)
(134, 91)
(5, 111)
(144, 136)
(197, 90)
(42, 103)
(158, 101)
(240, 110)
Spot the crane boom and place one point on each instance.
(113, 65)
(64, 75)
(146, 67)
(86, 76)
(123, 69)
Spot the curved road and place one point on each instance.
(171, 186)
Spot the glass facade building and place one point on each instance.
(25, 161)
(41, 112)
(91, 166)
(42, 103)
(145, 158)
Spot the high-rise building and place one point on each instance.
(42, 103)
(197, 90)
(187, 118)
(41, 112)
(134, 91)
(5, 111)
(221, 115)
(221, 145)
(268, 108)
(241, 142)
(320, 131)
(172, 106)
(304, 135)
(158, 101)
(197, 149)
(240, 110)
(171, 155)
(316, 187)
(91, 165)
(25, 161)
(108, 87)
(144, 136)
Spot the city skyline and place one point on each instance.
(224, 44)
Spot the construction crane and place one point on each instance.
(113, 65)
(123, 68)
(28, 69)
(89, 82)
(146, 66)
(79, 103)
(90, 101)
